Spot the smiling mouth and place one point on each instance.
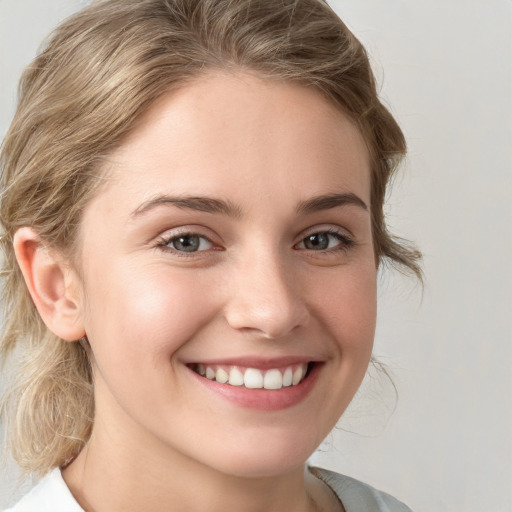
(254, 378)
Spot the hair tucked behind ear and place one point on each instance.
(98, 73)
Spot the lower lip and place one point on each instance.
(262, 399)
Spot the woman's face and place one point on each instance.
(232, 239)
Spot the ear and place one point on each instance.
(52, 284)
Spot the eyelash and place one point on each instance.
(165, 242)
(346, 243)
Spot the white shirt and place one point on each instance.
(53, 495)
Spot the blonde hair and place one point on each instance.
(79, 98)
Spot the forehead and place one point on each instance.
(223, 131)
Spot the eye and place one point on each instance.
(324, 241)
(188, 242)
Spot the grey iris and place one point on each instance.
(187, 243)
(317, 242)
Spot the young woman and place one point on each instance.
(193, 221)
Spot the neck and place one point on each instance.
(106, 478)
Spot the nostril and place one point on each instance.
(269, 320)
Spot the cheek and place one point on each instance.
(145, 313)
(347, 302)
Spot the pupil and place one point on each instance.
(189, 243)
(318, 241)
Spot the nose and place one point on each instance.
(265, 298)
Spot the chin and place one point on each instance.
(263, 459)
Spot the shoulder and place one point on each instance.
(51, 494)
(357, 496)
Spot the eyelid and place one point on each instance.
(326, 228)
(192, 229)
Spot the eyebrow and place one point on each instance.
(328, 201)
(220, 206)
(200, 204)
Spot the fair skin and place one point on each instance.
(277, 273)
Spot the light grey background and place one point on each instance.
(446, 73)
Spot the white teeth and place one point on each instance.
(236, 377)
(253, 378)
(273, 380)
(287, 377)
(297, 375)
(221, 376)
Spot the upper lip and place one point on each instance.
(261, 363)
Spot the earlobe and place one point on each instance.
(52, 285)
